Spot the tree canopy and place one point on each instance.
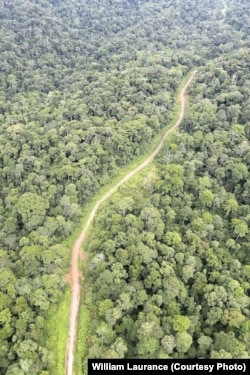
(85, 88)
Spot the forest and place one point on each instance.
(85, 87)
(168, 270)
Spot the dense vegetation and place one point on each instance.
(85, 86)
(169, 265)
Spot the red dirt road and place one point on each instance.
(75, 273)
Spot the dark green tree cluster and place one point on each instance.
(169, 263)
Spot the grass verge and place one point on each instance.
(57, 326)
(82, 335)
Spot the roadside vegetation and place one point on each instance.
(168, 266)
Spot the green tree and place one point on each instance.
(181, 323)
(32, 209)
(240, 228)
(183, 341)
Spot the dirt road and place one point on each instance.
(75, 273)
(224, 10)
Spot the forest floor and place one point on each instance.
(75, 273)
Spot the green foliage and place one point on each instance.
(183, 291)
(180, 323)
(82, 338)
(82, 98)
(56, 328)
(183, 341)
(32, 209)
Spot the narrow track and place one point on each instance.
(224, 10)
(75, 273)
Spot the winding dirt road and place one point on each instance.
(224, 10)
(75, 273)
